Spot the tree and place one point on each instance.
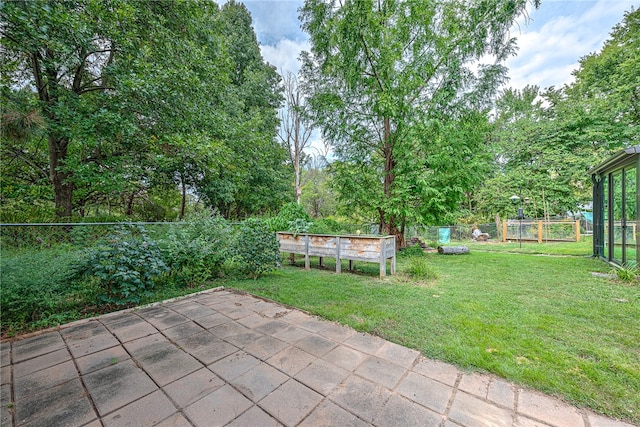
(544, 141)
(93, 67)
(293, 133)
(390, 80)
(133, 94)
(254, 180)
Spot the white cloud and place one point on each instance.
(558, 35)
(284, 55)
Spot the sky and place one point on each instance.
(551, 41)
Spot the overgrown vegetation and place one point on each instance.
(130, 265)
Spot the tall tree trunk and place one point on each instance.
(389, 222)
(129, 208)
(62, 188)
(183, 203)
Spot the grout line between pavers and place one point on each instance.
(453, 396)
(80, 377)
(12, 396)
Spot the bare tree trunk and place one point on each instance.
(293, 132)
(129, 209)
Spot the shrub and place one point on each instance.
(289, 212)
(125, 264)
(419, 267)
(256, 249)
(196, 250)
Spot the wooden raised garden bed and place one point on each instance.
(353, 248)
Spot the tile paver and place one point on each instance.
(322, 376)
(346, 357)
(101, 359)
(36, 346)
(218, 408)
(43, 380)
(436, 370)
(381, 372)
(183, 330)
(291, 360)
(162, 318)
(193, 387)
(549, 410)
(116, 386)
(470, 411)
(425, 391)
(361, 397)
(328, 414)
(225, 358)
(365, 343)
(146, 411)
(41, 362)
(259, 381)
(176, 420)
(265, 347)
(65, 402)
(234, 365)
(206, 347)
(129, 327)
(291, 402)
(400, 411)
(254, 417)
(316, 345)
(397, 354)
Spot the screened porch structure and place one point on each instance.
(615, 214)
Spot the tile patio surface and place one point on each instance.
(224, 358)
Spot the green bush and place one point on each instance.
(289, 213)
(255, 248)
(197, 249)
(419, 267)
(125, 264)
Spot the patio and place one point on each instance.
(226, 358)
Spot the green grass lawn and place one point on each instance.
(540, 321)
(582, 248)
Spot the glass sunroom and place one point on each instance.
(615, 201)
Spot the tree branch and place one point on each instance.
(94, 88)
